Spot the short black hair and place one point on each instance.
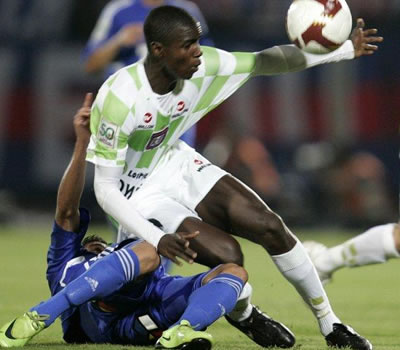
(162, 21)
(93, 238)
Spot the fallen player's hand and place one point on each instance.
(364, 39)
(82, 119)
(176, 245)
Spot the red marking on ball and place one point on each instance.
(332, 7)
(314, 32)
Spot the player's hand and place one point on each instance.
(129, 35)
(176, 245)
(82, 119)
(364, 40)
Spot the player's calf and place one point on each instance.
(262, 329)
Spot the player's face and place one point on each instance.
(95, 247)
(182, 55)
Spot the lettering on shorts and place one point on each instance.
(127, 189)
(137, 175)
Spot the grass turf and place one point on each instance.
(366, 298)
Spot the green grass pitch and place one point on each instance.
(367, 298)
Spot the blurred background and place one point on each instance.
(320, 146)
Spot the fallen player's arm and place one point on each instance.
(73, 180)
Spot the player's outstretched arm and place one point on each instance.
(364, 40)
(289, 58)
(73, 180)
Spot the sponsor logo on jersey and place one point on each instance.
(157, 138)
(181, 106)
(148, 122)
(202, 165)
(108, 133)
(180, 110)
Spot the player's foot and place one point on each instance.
(265, 331)
(315, 250)
(344, 336)
(183, 336)
(22, 329)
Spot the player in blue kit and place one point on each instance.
(119, 293)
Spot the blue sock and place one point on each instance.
(213, 300)
(104, 277)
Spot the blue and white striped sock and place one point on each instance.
(212, 301)
(104, 277)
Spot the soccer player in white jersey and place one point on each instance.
(142, 170)
(374, 246)
(119, 293)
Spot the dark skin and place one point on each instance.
(178, 60)
(229, 208)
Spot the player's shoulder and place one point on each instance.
(127, 76)
(213, 60)
(187, 5)
(114, 7)
(121, 88)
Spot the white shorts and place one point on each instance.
(174, 189)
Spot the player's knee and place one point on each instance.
(274, 236)
(229, 268)
(232, 253)
(148, 257)
(235, 270)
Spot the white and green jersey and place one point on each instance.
(133, 127)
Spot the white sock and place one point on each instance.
(374, 246)
(298, 269)
(243, 308)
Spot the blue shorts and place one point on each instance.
(167, 300)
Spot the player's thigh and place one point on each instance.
(162, 210)
(213, 245)
(234, 207)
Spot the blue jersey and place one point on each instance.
(136, 314)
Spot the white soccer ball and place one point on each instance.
(318, 26)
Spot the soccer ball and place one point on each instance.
(318, 26)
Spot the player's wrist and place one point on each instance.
(82, 141)
(156, 239)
